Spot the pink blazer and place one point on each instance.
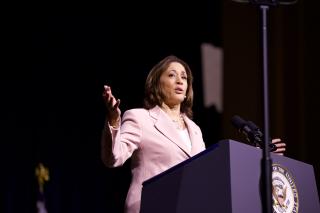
(150, 138)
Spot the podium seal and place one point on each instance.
(284, 191)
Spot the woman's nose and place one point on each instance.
(179, 80)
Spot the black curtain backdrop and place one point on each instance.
(58, 61)
(293, 47)
(52, 90)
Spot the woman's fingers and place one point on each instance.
(281, 147)
(280, 153)
(106, 90)
(280, 150)
(276, 140)
(113, 111)
(109, 98)
(116, 105)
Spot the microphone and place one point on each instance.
(257, 131)
(251, 131)
(244, 128)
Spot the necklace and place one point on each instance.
(178, 119)
(179, 122)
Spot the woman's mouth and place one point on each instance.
(179, 91)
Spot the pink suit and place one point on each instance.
(150, 138)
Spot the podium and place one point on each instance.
(226, 178)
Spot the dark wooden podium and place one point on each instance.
(226, 178)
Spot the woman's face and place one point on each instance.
(174, 84)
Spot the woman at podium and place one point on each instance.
(155, 137)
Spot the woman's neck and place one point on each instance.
(175, 115)
(172, 111)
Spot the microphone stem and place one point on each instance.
(266, 160)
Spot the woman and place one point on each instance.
(158, 136)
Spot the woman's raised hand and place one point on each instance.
(113, 110)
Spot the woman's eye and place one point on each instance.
(172, 75)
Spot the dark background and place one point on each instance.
(56, 62)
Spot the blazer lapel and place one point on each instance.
(166, 127)
(194, 135)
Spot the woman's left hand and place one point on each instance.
(281, 147)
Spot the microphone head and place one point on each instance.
(252, 125)
(252, 132)
(238, 122)
(254, 128)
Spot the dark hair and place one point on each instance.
(153, 91)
